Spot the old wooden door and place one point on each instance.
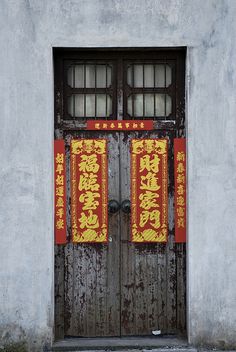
(120, 288)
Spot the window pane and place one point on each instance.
(160, 76)
(168, 105)
(138, 76)
(101, 76)
(79, 76)
(90, 76)
(129, 76)
(129, 108)
(168, 75)
(138, 104)
(76, 105)
(148, 76)
(109, 105)
(101, 105)
(102, 80)
(90, 105)
(149, 104)
(160, 104)
(75, 76)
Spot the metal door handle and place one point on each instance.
(113, 206)
(126, 206)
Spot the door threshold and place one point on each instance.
(122, 343)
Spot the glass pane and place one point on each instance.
(90, 76)
(138, 104)
(76, 105)
(75, 76)
(160, 76)
(160, 104)
(148, 76)
(101, 105)
(168, 105)
(79, 76)
(168, 75)
(101, 76)
(138, 75)
(129, 75)
(109, 105)
(70, 76)
(149, 104)
(90, 105)
(130, 105)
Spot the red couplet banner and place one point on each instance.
(89, 192)
(60, 191)
(180, 189)
(149, 192)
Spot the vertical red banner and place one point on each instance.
(89, 194)
(149, 190)
(180, 189)
(60, 191)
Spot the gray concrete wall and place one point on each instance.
(28, 31)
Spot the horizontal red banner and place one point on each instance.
(120, 125)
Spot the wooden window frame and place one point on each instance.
(120, 58)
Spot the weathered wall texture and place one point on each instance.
(28, 30)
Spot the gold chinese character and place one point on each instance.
(149, 182)
(97, 125)
(60, 224)
(180, 167)
(60, 212)
(180, 156)
(60, 158)
(135, 125)
(154, 216)
(148, 200)
(119, 125)
(141, 125)
(149, 164)
(60, 202)
(180, 178)
(89, 163)
(59, 168)
(180, 189)
(180, 211)
(180, 222)
(89, 220)
(127, 125)
(60, 180)
(88, 198)
(60, 191)
(104, 125)
(112, 125)
(88, 182)
(180, 201)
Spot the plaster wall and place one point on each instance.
(29, 29)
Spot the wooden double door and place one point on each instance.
(121, 288)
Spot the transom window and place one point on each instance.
(127, 85)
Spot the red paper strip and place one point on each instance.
(180, 189)
(149, 193)
(89, 194)
(60, 191)
(120, 125)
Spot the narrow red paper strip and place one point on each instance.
(180, 189)
(60, 191)
(89, 194)
(120, 125)
(149, 191)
